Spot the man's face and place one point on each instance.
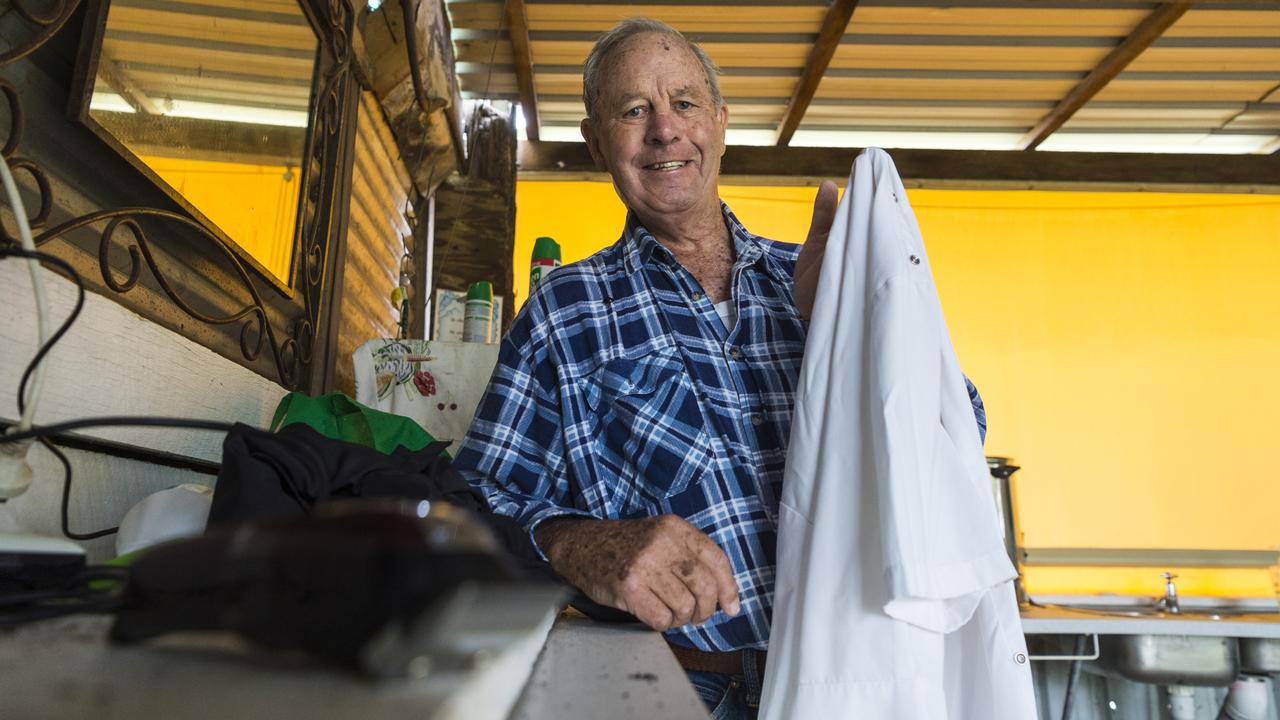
(658, 132)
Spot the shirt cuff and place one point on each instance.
(551, 513)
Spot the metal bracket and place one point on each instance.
(1096, 652)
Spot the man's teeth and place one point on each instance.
(668, 165)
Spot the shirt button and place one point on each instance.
(735, 353)
(757, 419)
(697, 296)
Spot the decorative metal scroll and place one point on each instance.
(290, 350)
(47, 26)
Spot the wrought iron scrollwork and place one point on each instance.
(290, 350)
(38, 218)
(254, 331)
(47, 26)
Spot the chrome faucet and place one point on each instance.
(1169, 603)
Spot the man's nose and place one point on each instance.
(663, 128)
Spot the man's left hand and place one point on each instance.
(809, 263)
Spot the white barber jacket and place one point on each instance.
(894, 597)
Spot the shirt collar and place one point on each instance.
(641, 246)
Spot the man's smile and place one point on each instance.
(668, 165)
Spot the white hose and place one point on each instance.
(1247, 699)
(1182, 703)
(37, 284)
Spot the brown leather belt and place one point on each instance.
(724, 663)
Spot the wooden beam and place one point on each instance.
(518, 31)
(113, 73)
(968, 168)
(1147, 32)
(1270, 147)
(209, 140)
(833, 28)
(429, 138)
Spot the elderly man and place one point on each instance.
(637, 421)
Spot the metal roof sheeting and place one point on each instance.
(954, 70)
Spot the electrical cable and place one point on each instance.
(409, 16)
(118, 421)
(33, 596)
(42, 433)
(37, 286)
(66, 497)
(37, 360)
(83, 593)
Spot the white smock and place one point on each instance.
(894, 598)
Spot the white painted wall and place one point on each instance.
(114, 362)
(103, 489)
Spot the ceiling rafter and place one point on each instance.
(518, 30)
(1146, 33)
(113, 73)
(824, 48)
(960, 168)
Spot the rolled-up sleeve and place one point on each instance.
(514, 450)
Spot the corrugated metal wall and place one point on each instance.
(376, 235)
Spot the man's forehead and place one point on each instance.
(630, 70)
(624, 91)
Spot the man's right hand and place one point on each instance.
(662, 570)
(809, 264)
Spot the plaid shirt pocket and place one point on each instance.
(650, 440)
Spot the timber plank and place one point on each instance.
(974, 166)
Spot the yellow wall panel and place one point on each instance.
(1127, 346)
(255, 205)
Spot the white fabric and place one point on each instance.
(894, 597)
(726, 312)
(436, 383)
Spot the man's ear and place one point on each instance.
(724, 128)
(593, 143)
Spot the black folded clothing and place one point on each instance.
(286, 474)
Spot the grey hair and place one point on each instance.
(611, 39)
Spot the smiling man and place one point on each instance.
(638, 419)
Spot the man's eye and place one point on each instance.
(634, 112)
(683, 105)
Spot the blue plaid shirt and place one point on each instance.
(620, 394)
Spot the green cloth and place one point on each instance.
(341, 418)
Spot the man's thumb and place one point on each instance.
(824, 209)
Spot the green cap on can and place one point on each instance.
(545, 248)
(482, 290)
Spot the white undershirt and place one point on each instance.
(726, 312)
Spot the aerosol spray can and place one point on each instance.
(546, 257)
(477, 319)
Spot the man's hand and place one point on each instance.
(663, 570)
(810, 261)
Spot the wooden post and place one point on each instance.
(476, 213)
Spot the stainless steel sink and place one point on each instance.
(1197, 656)
(1260, 656)
(1167, 659)
(1156, 613)
(1171, 659)
(1200, 659)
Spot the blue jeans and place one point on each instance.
(731, 697)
